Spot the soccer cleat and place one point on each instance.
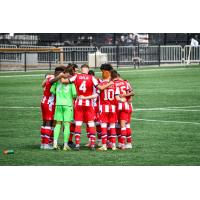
(56, 147)
(103, 148)
(77, 147)
(122, 147)
(114, 148)
(128, 146)
(47, 147)
(119, 145)
(66, 148)
(42, 146)
(71, 145)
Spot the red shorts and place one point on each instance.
(84, 113)
(47, 111)
(123, 115)
(108, 117)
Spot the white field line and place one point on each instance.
(120, 71)
(164, 109)
(137, 109)
(163, 121)
(136, 119)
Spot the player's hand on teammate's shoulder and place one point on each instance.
(81, 97)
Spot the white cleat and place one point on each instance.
(129, 146)
(114, 148)
(103, 148)
(66, 148)
(42, 146)
(47, 146)
(119, 145)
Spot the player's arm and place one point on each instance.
(103, 87)
(128, 94)
(74, 93)
(43, 83)
(53, 89)
(55, 79)
(88, 97)
(65, 79)
(117, 96)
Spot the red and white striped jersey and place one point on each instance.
(84, 86)
(128, 98)
(122, 88)
(107, 98)
(48, 98)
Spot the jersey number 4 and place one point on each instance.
(83, 86)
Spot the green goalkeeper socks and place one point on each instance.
(57, 131)
(66, 131)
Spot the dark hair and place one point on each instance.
(91, 72)
(74, 65)
(70, 70)
(118, 75)
(60, 69)
(85, 65)
(106, 66)
(114, 74)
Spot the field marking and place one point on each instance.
(164, 109)
(120, 71)
(137, 109)
(164, 121)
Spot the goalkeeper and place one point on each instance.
(65, 93)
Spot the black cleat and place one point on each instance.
(71, 145)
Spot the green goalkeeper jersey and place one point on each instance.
(65, 93)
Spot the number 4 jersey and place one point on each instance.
(84, 86)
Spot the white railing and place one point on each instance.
(122, 54)
(171, 54)
(192, 53)
(77, 54)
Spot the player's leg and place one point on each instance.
(92, 133)
(72, 132)
(88, 135)
(59, 117)
(103, 136)
(78, 116)
(68, 117)
(56, 134)
(113, 136)
(89, 118)
(128, 133)
(98, 131)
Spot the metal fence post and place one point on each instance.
(138, 54)
(49, 60)
(117, 55)
(95, 58)
(25, 62)
(159, 55)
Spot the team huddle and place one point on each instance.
(71, 99)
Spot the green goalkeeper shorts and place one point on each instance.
(64, 113)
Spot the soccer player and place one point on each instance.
(48, 108)
(64, 110)
(122, 107)
(96, 109)
(128, 97)
(84, 111)
(107, 104)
